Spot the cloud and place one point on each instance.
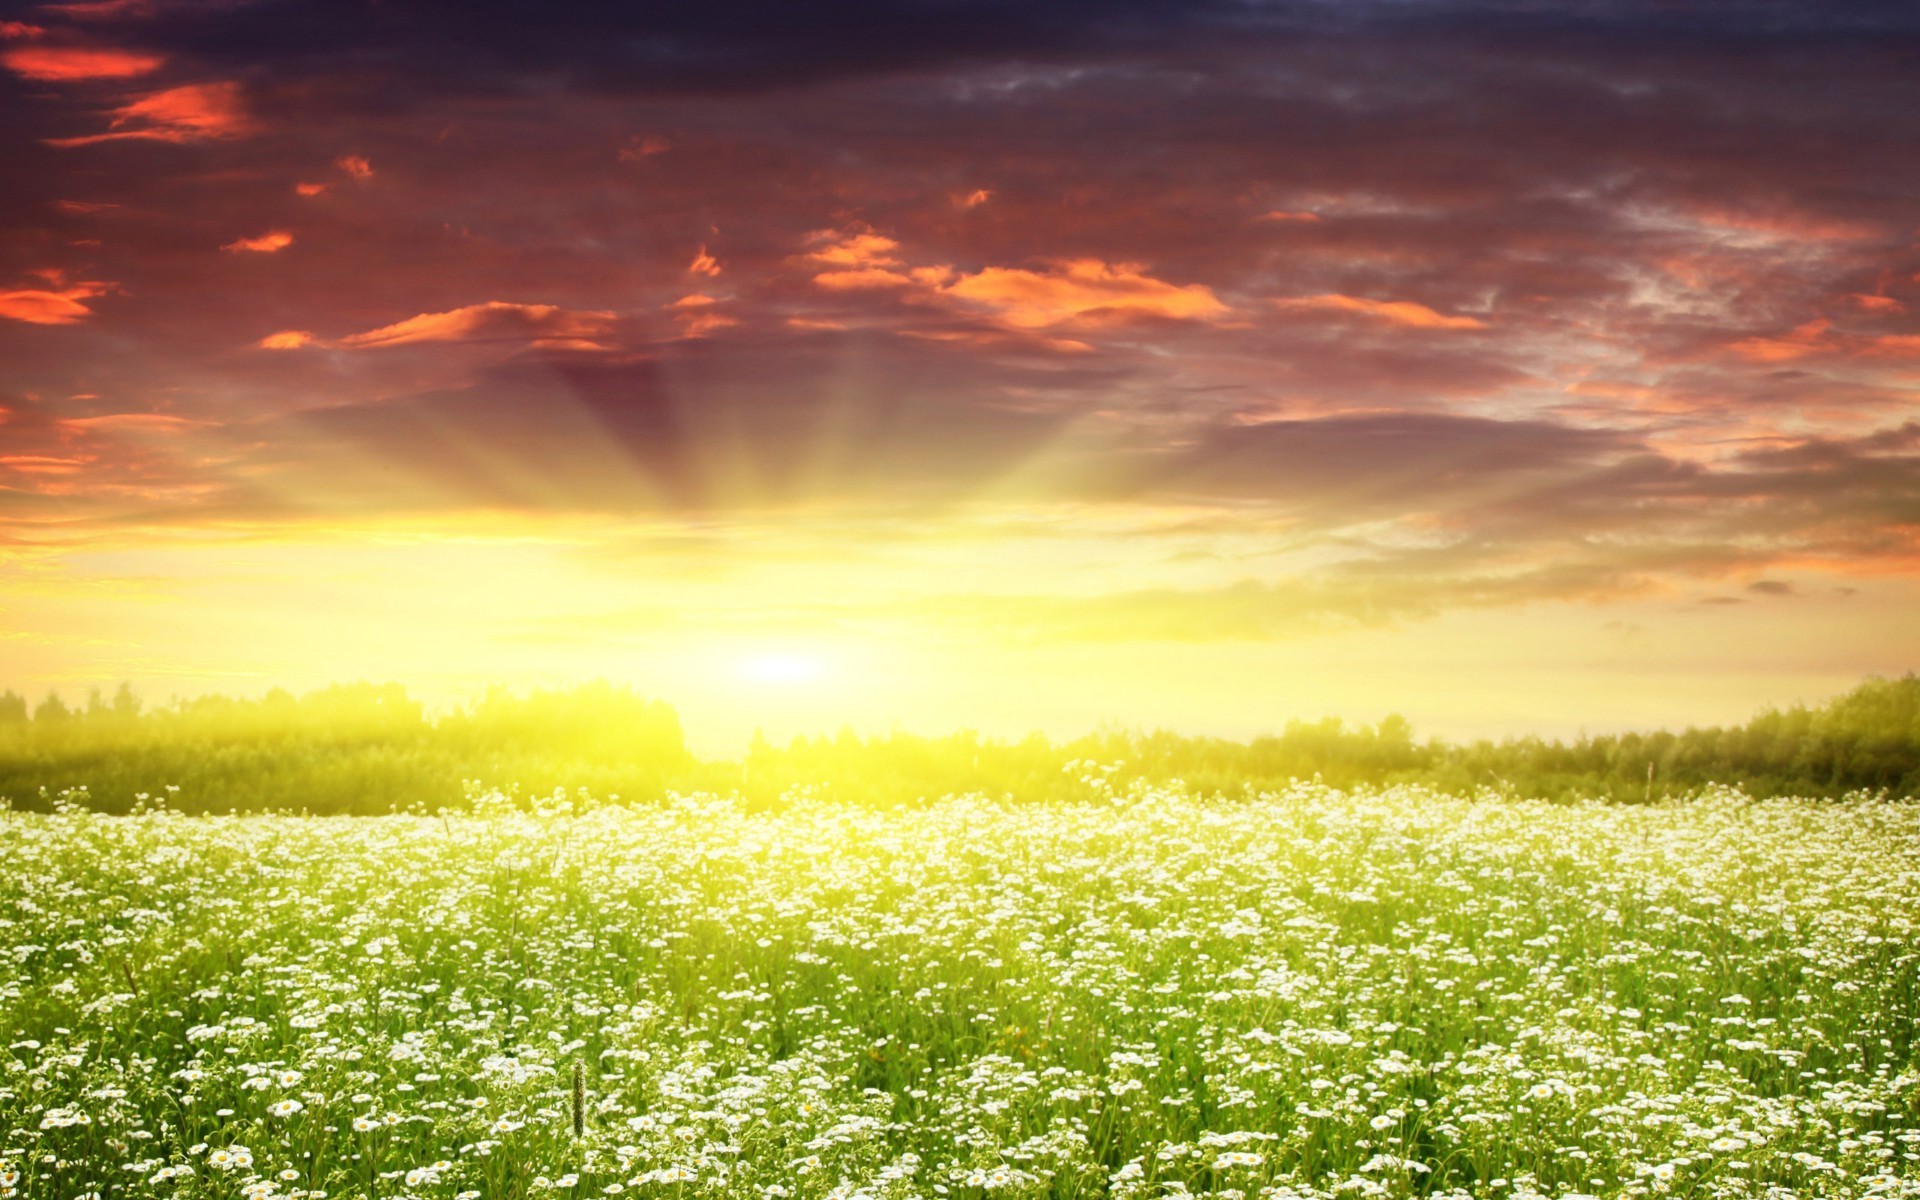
(639, 149)
(1082, 289)
(1394, 312)
(287, 339)
(495, 321)
(191, 113)
(66, 306)
(355, 166)
(101, 10)
(1069, 291)
(756, 47)
(67, 64)
(266, 243)
(858, 248)
(703, 264)
(865, 279)
(1810, 338)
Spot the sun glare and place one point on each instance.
(783, 668)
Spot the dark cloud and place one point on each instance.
(753, 45)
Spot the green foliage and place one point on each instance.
(364, 748)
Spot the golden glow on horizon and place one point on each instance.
(986, 623)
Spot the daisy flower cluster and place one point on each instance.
(1310, 995)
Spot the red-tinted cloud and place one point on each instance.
(65, 64)
(190, 113)
(40, 306)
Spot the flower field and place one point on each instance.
(1314, 994)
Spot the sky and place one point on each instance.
(1201, 364)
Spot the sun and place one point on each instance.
(783, 668)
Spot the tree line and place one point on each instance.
(370, 748)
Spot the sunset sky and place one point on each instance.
(1516, 366)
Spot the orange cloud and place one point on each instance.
(1885, 304)
(1810, 338)
(494, 321)
(133, 422)
(858, 249)
(1082, 289)
(310, 189)
(42, 307)
(1069, 290)
(286, 339)
(1397, 312)
(266, 243)
(974, 198)
(11, 30)
(193, 113)
(704, 264)
(862, 279)
(1901, 345)
(64, 64)
(696, 316)
(1283, 215)
(355, 166)
(700, 324)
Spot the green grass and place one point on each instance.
(1307, 994)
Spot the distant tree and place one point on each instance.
(13, 708)
(52, 710)
(126, 705)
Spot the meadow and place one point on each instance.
(1305, 993)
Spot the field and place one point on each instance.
(1309, 994)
